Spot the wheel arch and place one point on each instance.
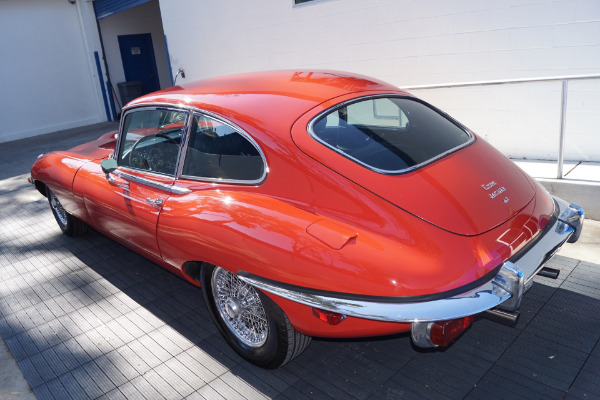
(41, 187)
(192, 271)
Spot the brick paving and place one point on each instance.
(86, 318)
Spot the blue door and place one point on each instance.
(139, 63)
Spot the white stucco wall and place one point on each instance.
(141, 19)
(408, 43)
(48, 76)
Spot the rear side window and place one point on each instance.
(389, 134)
(218, 152)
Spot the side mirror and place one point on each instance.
(109, 165)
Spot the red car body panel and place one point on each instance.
(318, 220)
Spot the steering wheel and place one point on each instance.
(163, 134)
(146, 158)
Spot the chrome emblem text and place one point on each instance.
(489, 185)
(497, 192)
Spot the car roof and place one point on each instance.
(266, 98)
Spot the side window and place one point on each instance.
(151, 140)
(218, 152)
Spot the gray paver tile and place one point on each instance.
(166, 390)
(137, 359)
(241, 386)
(45, 370)
(43, 393)
(16, 348)
(112, 371)
(194, 380)
(208, 393)
(196, 367)
(57, 389)
(54, 360)
(86, 382)
(174, 380)
(114, 394)
(149, 346)
(129, 391)
(225, 390)
(521, 385)
(269, 383)
(31, 373)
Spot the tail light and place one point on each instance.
(439, 333)
(444, 332)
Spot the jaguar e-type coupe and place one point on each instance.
(314, 204)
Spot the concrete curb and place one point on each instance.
(584, 194)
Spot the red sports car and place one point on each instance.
(314, 204)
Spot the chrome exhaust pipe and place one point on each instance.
(509, 318)
(548, 272)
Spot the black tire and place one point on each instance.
(276, 342)
(68, 224)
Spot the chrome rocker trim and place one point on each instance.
(504, 291)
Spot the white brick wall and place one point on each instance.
(407, 43)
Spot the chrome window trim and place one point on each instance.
(149, 182)
(312, 133)
(511, 281)
(183, 144)
(185, 140)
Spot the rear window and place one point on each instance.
(389, 134)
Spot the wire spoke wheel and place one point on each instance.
(66, 222)
(249, 320)
(59, 211)
(240, 307)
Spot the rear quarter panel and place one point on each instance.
(268, 237)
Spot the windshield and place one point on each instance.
(389, 134)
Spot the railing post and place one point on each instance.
(563, 121)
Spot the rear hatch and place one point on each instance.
(419, 159)
(467, 192)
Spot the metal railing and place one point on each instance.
(563, 111)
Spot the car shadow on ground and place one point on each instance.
(85, 317)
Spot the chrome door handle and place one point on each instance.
(123, 184)
(157, 203)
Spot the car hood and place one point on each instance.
(468, 192)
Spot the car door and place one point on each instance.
(127, 202)
(221, 165)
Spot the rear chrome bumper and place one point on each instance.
(504, 291)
